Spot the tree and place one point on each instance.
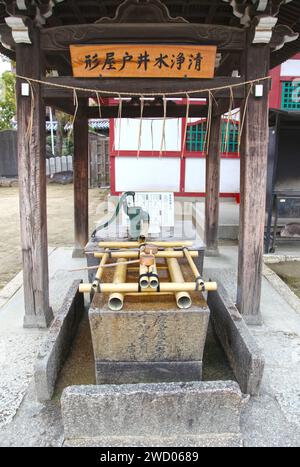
(7, 100)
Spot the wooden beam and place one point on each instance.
(54, 21)
(64, 105)
(32, 187)
(222, 106)
(225, 37)
(253, 154)
(151, 111)
(229, 63)
(212, 187)
(6, 36)
(132, 111)
(80, 171)
(77, 11)
(59, 62)
(212, 11)
(113, 86)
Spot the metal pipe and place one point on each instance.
(138, 244)
(144, 230)
(116, 299)
(183, 299)
(135, 254)
(134, 287)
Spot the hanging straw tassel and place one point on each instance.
(119, 121)
(186, 124)
(152, 143)
(229, 118)
(76, 104)
(244, 115)
(208, 124)
(142, 103)
(165, 119)
(135, 94)
(99, 104)
(28, 135)
(210, 118)
(163, 141)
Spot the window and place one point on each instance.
(195, 137)
(290, 95)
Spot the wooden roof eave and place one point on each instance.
(59, 38)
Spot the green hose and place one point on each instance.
(115, 214)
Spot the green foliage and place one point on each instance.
(67, 146)
(7, 100)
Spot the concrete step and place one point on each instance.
(228, 220)
(175, 414)
(217, 441)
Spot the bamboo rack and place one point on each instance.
(153, 280)
(134, 287)
(100, 270)
(135, 254)
(183, 298)
(121, 254)
(143, 279)
(116, 299)
(193, 267)
(119, 245)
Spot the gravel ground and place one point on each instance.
(60, 223)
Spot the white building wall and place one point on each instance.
(229, 175)
(127, 134)
(147, 173)
(163, 173)
(290, 68)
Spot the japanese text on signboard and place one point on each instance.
(144, 61)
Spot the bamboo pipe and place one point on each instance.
(134, 287)
(147, 293)
(116, 300)
(193, 266)
(138, 244)
(135, 254)
(143, 281)
(132, 268)
(100, 270)
(153, 280)
(109, 265)
(183, 299)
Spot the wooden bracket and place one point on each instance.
(262, 16)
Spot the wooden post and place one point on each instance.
(32, 187)
(212, 187)
(253, 153)
(80, 171)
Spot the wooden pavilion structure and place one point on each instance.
(250, 35)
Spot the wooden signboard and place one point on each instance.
(143, 61)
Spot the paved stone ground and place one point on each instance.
(271, 419)
(19, 346)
